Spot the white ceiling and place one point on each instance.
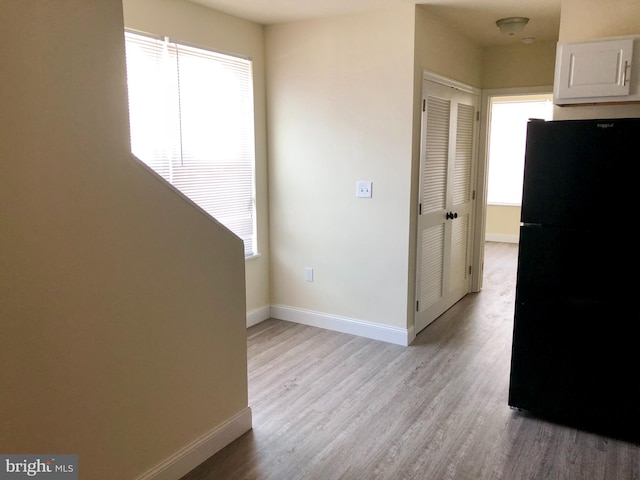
(472, 18)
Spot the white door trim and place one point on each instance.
(482, 178)
(462, 88)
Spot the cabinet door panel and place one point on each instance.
(593, 69)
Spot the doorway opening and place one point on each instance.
(506, 140)
(499, 220)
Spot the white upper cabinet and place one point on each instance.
(597, 71)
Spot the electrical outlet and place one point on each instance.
(363, 188)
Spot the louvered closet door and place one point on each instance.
(446, 200)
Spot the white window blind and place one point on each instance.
(191, 116)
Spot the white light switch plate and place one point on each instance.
(363, 188)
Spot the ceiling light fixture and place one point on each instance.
(511, 25)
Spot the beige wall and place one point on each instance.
(502, 223)
(442, 50)
(340, 93)
(344, 106)
(589, 19)
(518, 65)
(187, 22)
(122, 305)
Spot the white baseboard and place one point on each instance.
(375, 331)
(188, 458)
(503, 238)
(258, 315)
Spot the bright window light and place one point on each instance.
(191, 116)
(507, 139)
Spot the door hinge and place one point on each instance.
(473, 195)
(419, 209)
(477, 115)
(469, 269)
(417, 305)
(424, 105)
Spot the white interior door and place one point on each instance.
(447, 199)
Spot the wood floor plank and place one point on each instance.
(328, 405)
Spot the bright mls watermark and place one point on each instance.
(46, 467)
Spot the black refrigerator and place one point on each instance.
(576, 342)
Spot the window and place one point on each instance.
(191, 116)
(507, 140)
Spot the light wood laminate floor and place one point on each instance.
(329, 406)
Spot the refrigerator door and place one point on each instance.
(574, 355)
(580, 171)
(574, 348)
